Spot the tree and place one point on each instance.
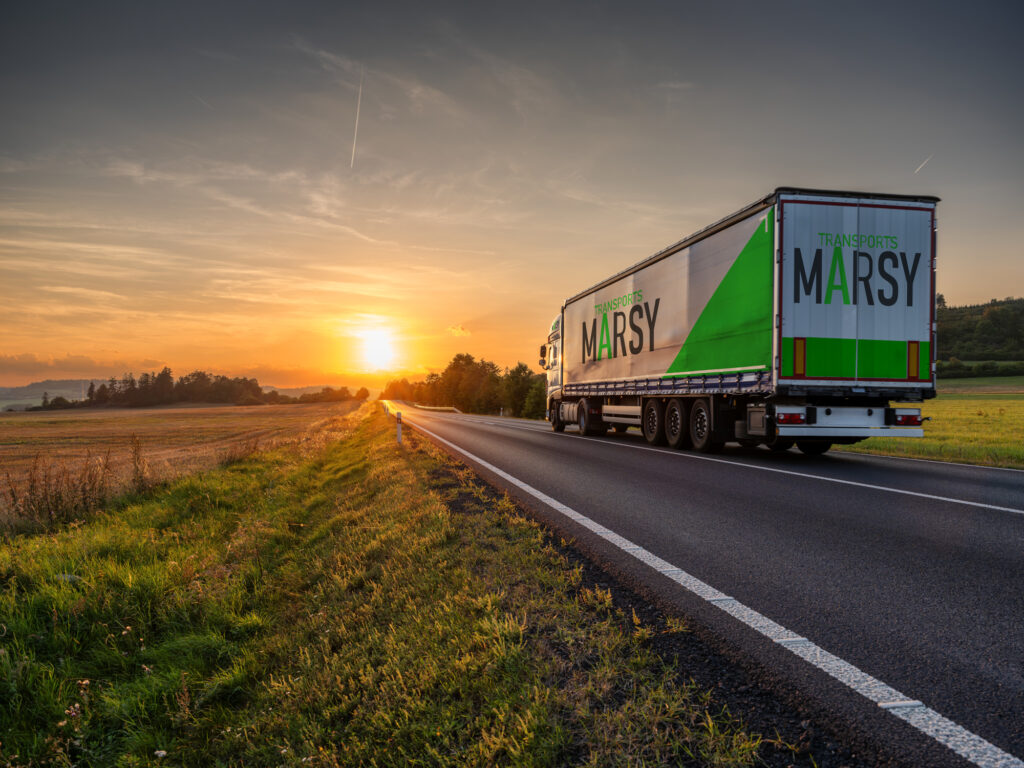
(362, 394)
(515, 386)
(91, 393)
(537, 398)
(163, 386)
(397, 390)
(128, 390)
(194, 387)
(46, 399)
(940, 301)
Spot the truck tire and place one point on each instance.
(653, 425)
(589, 423)
(813, 447)
(557, 425)
(702, 435)
(780, 444)
(677, 424)
(582, 420)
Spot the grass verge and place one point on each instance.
(355, 604)
(982, 384)
(966, 428)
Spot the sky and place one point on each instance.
(184, 184)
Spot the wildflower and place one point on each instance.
(147, 670)
(160, 753)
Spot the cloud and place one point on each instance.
(672, 90)
(17, 370)
(675, 85)
(458, 330)
(418, 95)
(85, 293)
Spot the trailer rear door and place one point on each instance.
(856, 291)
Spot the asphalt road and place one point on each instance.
(911, 571)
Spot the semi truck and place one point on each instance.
(800, 319)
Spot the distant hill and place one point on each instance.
(992, 331)
(294, 391)
(20, 398)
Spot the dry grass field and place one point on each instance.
(967, 428)
(119, 448)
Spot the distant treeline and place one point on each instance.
(980, 332)
(477, 386)
(197, 387)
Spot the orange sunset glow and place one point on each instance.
(194, 188)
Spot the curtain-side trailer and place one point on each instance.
(799, 319)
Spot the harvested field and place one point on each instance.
(54, 448)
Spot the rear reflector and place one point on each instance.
(908, 420)
(800, 357)
(790, 418)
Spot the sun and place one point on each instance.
(378, 349)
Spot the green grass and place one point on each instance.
(360, 604)
(969, 428)
(982, 384)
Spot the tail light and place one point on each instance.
(790, 418)
(908, 420)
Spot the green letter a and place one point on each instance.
(837, 266)
(606, 338)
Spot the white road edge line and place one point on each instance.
(699, 457)
(957, 738)
(928, 461)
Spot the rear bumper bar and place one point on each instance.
(824, 431)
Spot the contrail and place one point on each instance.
(202, 101)
(922, 165)
(355, 134)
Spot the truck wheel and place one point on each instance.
(701, 435)
(813, 447)
(780, 444)
(557, 425)
(590, 424)
(677, 424)
(653, 425)
(581, 417)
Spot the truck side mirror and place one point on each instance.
(543, 351)
(542, 363)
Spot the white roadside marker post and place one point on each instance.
(398, 422)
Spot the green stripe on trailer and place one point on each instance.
(734, 329)
(890, 359)
(827, 358)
